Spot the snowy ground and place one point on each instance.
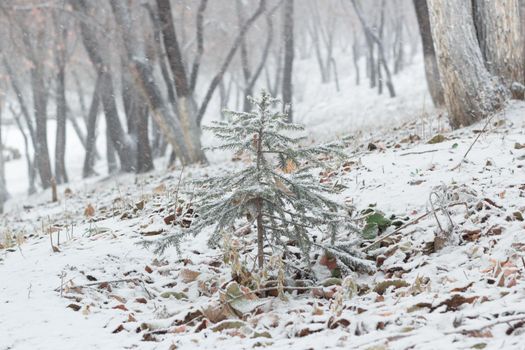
(73, 276)
(467, 295)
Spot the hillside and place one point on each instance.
(77, 270)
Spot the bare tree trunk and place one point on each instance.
(190, 151)
(371, 38)
(30, 163)
(325, 34)
(471, 93)
(431, 66)
(137, 113)
(229, 57)
(40, 107)
(370, 64)
(157, 33)
(110, 153)
(107, 92)
(60, 62)
(288, 33)
(3, 188)
(144, 155)
(80, 95)
(250, 78)
(91, 138)
(500, 38)
(356, 55)
(399, 52)
(380, 35)
(24, 108)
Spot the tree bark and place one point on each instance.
(60, 141)
(30, 163)
(227, 60)
(471, 93)
(288, 37)
(371, 38)
(144, 154)
(3, 188)
(91, 138)
(250, 78)
(429, 55)
(182, 137)
(110, 153)
(500, 38)
(107, 91)
(40, 107)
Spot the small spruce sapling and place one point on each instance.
(276, 191)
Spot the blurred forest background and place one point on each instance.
(132, 81)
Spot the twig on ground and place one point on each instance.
(413, 222)
(474, 142)
(420, 152)
(492, 324)
(131, 279)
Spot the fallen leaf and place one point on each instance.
(119, 329)
(471, 235)
(74, 307)
(382, 287)
(160, 189)
(120, 307)
(188, 275)
(437, 139)
(455, 302)
(89, 211)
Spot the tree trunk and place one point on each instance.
(250, 78)
(180, 132)
(30, 164)
(157, 33)
(355, 55)
(229, 57)
(144, 155)
(471, 93)
(186, 107)
(60, 145)
(373, 38)
(370, 63)
(107, 92)
(40, 108)
(91, 138)
(500, 38)
(3, 188)
(288, 34)
(60, 141)
(110, 153)
(431, 66)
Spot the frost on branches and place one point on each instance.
(276, 194)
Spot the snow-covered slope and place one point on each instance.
(98, 289)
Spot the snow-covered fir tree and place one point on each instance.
(276, 193)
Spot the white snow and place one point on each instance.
(34, 312)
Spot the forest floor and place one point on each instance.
(75, 276)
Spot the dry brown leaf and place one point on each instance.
(455, 302)
(217, 313)
(120, 307)
(281, 186)
(74, 307)
(289, 167)
(160, 189)
(89, 211)
(188, 275)
(119, 329)
(117, 298)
